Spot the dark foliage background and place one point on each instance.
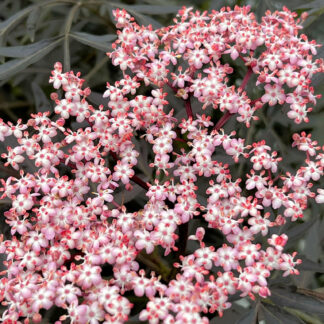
(36, 34)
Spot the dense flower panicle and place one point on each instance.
(66, 226)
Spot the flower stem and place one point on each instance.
(172, 87)
(140, 182)
(187, 101)
(222, 121)
(228, 115)
(188, 108)
(246, 78)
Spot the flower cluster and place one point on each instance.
(65, 223)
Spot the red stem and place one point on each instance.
(70, 164)
(246, 78)
(180, 140)
(116, 205)
(223, 121)
(188, 108)
(172, 87)
(228, 115)
(140, 182)
(254, 101)
(187, 101)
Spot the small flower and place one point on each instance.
(274, 94)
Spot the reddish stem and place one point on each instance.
(228, 115)
(242, 58)
(246, 78)
(223, 121)
(116, 205)
(140, 182)
(172, 87)
(180, 140)
(187, 101)
(254, 101)
(188, 108)
(70, 164)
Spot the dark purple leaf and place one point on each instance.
(100, 42)
(299, 230)
(249, 318)
(12, 67)
(153, 9)
(309, 265)
(288, 298)
(41, 102)
(275, 315)
(97, 98)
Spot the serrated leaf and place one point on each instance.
(41, 102)
(31, 23)
(318, 78)
(217, 4)
(25, 50)
(288, 298)
(12, 67)
(142, 159)
(316, 4)
(309, 265)
(4, 4)
(145, 20)
(263, 6)
(249, 318)
(97, 98)
(15, 19)
(153, 9)
(299, 230)
(122, 197)
(233, 298)
(318, 293)
(72, 16)
(12, 21)
(274, 315)
(313, 241)
(101, 42)
(103, 9)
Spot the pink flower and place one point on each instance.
(274, 94)
(73, 216)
